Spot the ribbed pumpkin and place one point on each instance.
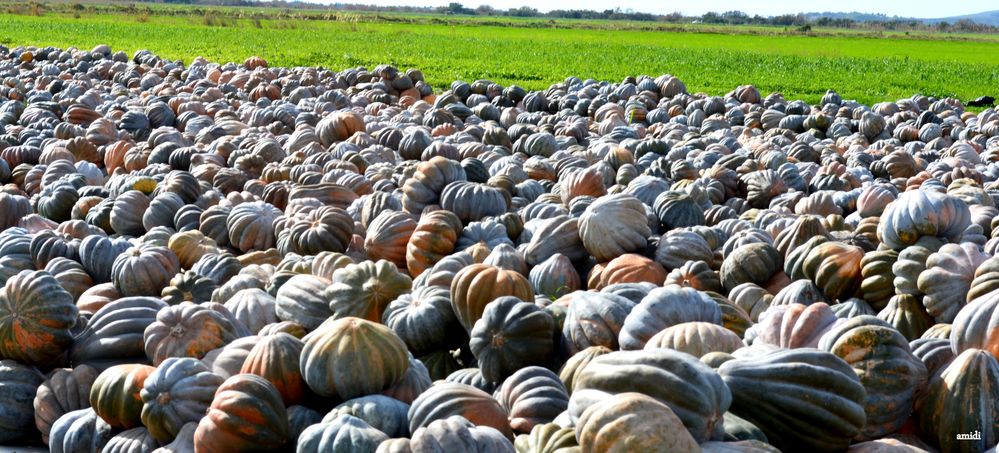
(552, 236)
(64, 391)
(253, 307)
(690, 388)
(477, 285)
(341, 434)
(632, 422)
(277, 359)
(363, 290)
(190, 246)
(593, 319)
(547, 438)
(385, 414)
(835, 267)
(36, 316)
(250, 226)
(446, 399)
(388, 236)
(803, 399)
(697, 275)
(423, 319)
(79, 431)
(325, 229)
(947, 279)
(510, 335)
(246, 415)
(614, 225)
(891, 375)
(962, 398)
(793, 325)
(666, 307)
(472, 201)
(126, 215)
(455, 433)
(434, 238)
(976, 326)
(351, 357)
(18, 385)
(679, 246)
(877, 285)
(187, 330)
(583, 182)
(302, 300)
(115, 394)
(144, 270)
(555, 277)
(532, 396)
(428, 181)
(907, 315)
(178, 392)
(696, 338)
(918, 213)
(753, 263)
(627, 268)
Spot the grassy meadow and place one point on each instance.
(533, 53)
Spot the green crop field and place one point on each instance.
(536, 52)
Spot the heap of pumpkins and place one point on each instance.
(235, 258)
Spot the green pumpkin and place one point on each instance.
(178, 392)
(18, 385)
(510, 335)
(532, 396)
(962, 398)
(352, 357)
(36, 318)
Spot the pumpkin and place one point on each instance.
(127, 211)
(627, 268)
(804, 228)
(245, 415)
(877, 285)
(802, 399)
(115, 395)
(572, 367)
(555, 277)
(456, 433)
(190, 246)
(342, 434)
(891, 375)
(666, 307)
(299, 418)
(188, 287)
(696, 338)
(506, 257)
(911, 262)
(433, 238)
(276, 358)
(614, 225)
(440, 364)
(676, 248)
(803, 292)
(302, 300)
(187, 330)
(594, 319)
(14, 208)
(835, 268)
(907, 315)
(114, 335)
(64, 391)
(976, 325)
(632, 422)
(473, 201)
(947, 279)
(583, 182)
(935, 353)
(250, 226)
(510, 335)
(752, 263)
(690, 388)
(132, 440)
(532, 396)
(351, 357)
(36, 318)
(326, 229)
(752, 299)
(177, 392)
(229, 359)
(364, 290)
(762, 186)
(18, 385)
(793, 326)
(428, 182)
(962, 398)
(388, 236)
(144, 271)
(918, 213)
(447, 399)
(184, 442)
(696, 275)
(413, 383)
(254, 308)
(79, 431)
(388, 415)
(423, 319)
(676, 209)
(552, 236)
(338, 126)
(478, 284)
(219, 267)
(547, 438)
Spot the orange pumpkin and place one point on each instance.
(479, 284)
(434, 238)
(627, 268)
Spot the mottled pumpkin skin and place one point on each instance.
(434, 238)
(277, 359)
(344, 433)
(666, 307)
(532, 396)
(457, 433)
(962, 398)
(891, 375)
(632, 422)
(115, 394)
(79, 430)
(803, 399)
(614, 225)
(36, 316)
(144, 271)
(446, 399)
(363, 290)
(547, 438)
(627, 268)
(477, 285)
(793, 326)
(178, 392)
(64, 391)
(696, 338)
(246, 415)
(18, 385)
(570, 371)
(835, 267)
(352, 357)
(694, 391)
(593, 319)
(977, 326)
(388, 237)
(918, 213)
(187, 330)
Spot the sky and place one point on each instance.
(906, 8)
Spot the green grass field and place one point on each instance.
(536, 53)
